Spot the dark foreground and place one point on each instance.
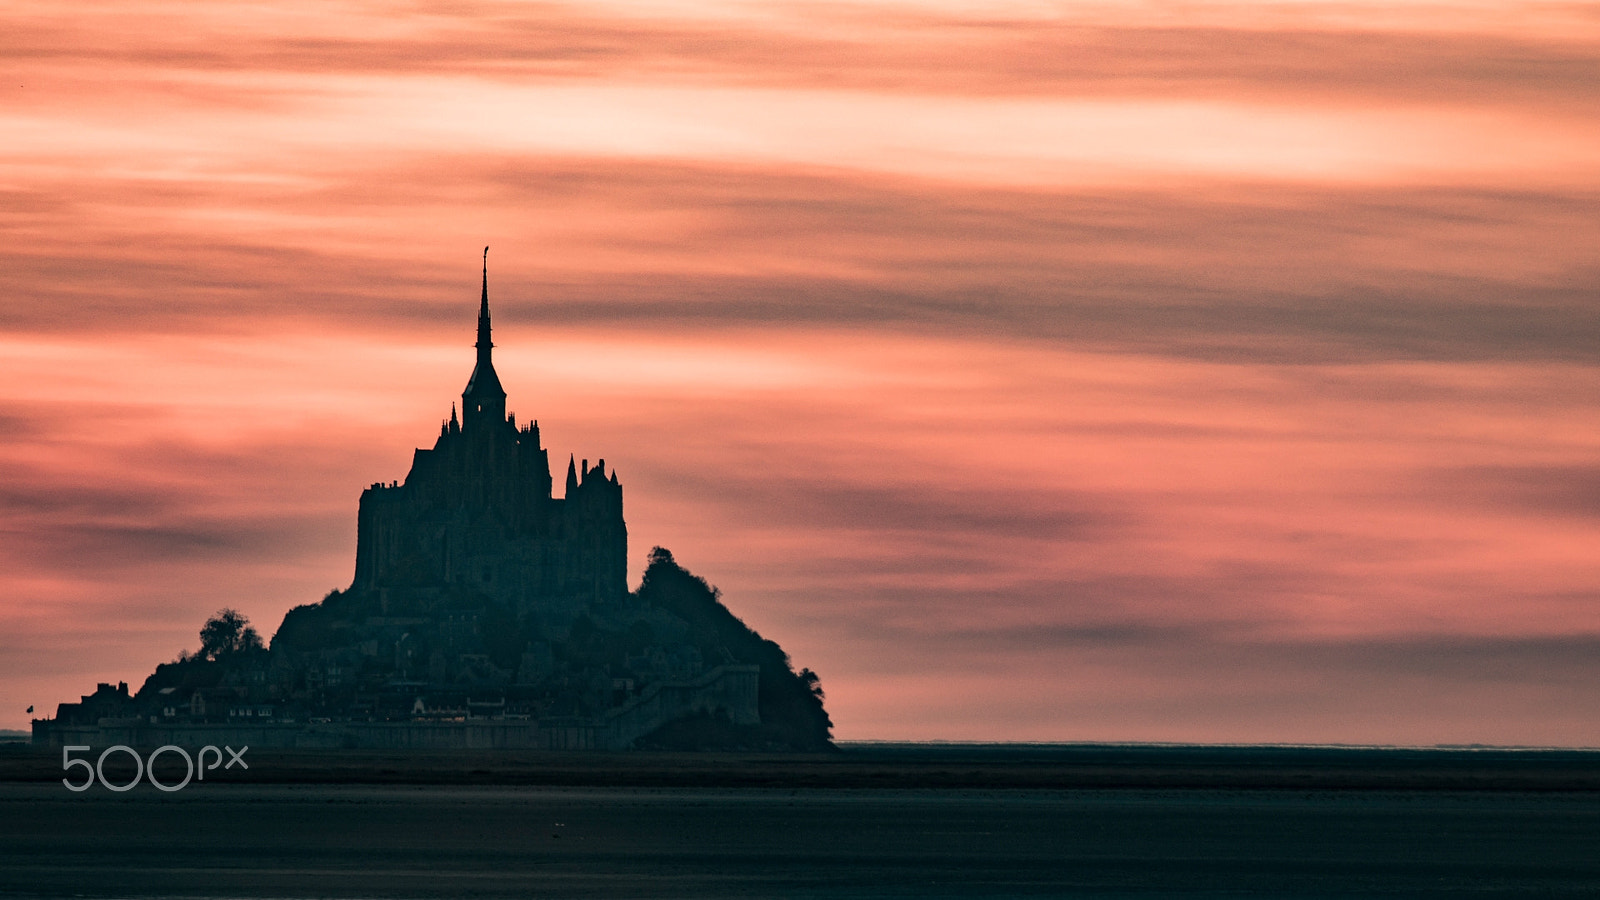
(1524, 834)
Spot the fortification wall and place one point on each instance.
(725, 689)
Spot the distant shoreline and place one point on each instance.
(917, 766)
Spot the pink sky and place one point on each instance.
(1213, 372)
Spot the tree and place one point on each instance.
(227, 633)
(792, 714)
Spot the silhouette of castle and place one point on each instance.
(484, 612)
(476, 513)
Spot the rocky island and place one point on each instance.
(484, 613)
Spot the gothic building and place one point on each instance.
(485, 612)
(476, 517)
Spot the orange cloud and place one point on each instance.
(1217, 372)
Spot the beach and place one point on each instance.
(266, 838)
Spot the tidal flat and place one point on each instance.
(280, 837)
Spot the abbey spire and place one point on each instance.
(484, 400)
(484, 345)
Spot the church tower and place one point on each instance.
(475, 520)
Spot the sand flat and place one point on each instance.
(254, 840)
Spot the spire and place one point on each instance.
(484, 344)
(484, 400)
(572, 475)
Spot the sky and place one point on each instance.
(1145, 371)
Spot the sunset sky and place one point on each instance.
(1031, 371)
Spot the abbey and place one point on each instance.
(476, 514)
(485, 612)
